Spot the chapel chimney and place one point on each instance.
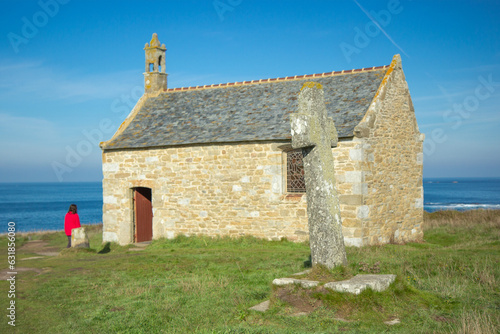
(155, 78)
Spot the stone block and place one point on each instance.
(109, 237)
(110, 167)
(79, 238)
(351, 199)
(360, 188)
(363, 211)
(262, 307)
(109, 200)
(356, 154)
(356, 242)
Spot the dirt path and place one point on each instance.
(39, 247)
(6, 273)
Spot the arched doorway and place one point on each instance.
(143, 214)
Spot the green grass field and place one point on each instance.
(447, 284)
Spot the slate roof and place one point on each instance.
(247, 111)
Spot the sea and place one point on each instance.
(42, 206)
(461, 194)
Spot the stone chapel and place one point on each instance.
(217, 159)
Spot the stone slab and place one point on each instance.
(142, 244)
(47, 253)
(302, 282)
(262, 307)
(392, 322)
(359, 283)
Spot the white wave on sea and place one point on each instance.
(460, 206)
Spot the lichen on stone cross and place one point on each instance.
(315, 134)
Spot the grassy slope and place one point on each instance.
(201, 285)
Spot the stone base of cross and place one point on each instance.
(315, 134)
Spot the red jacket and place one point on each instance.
(71, 221)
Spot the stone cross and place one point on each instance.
(315, 134)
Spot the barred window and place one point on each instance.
(295, 172)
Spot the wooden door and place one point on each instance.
(143, 214)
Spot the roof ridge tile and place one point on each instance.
(287, 78)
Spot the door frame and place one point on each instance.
(147, 193)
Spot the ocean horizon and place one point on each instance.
(42, 206)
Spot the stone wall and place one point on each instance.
(239, 189)
(352, 188)
(391, 177)
(234, 190)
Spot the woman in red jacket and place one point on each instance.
(71, 221)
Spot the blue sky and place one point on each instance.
(71, 70)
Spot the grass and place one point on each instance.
(447, 284)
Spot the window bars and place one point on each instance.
(295, 182)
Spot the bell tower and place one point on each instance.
(155, 78)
